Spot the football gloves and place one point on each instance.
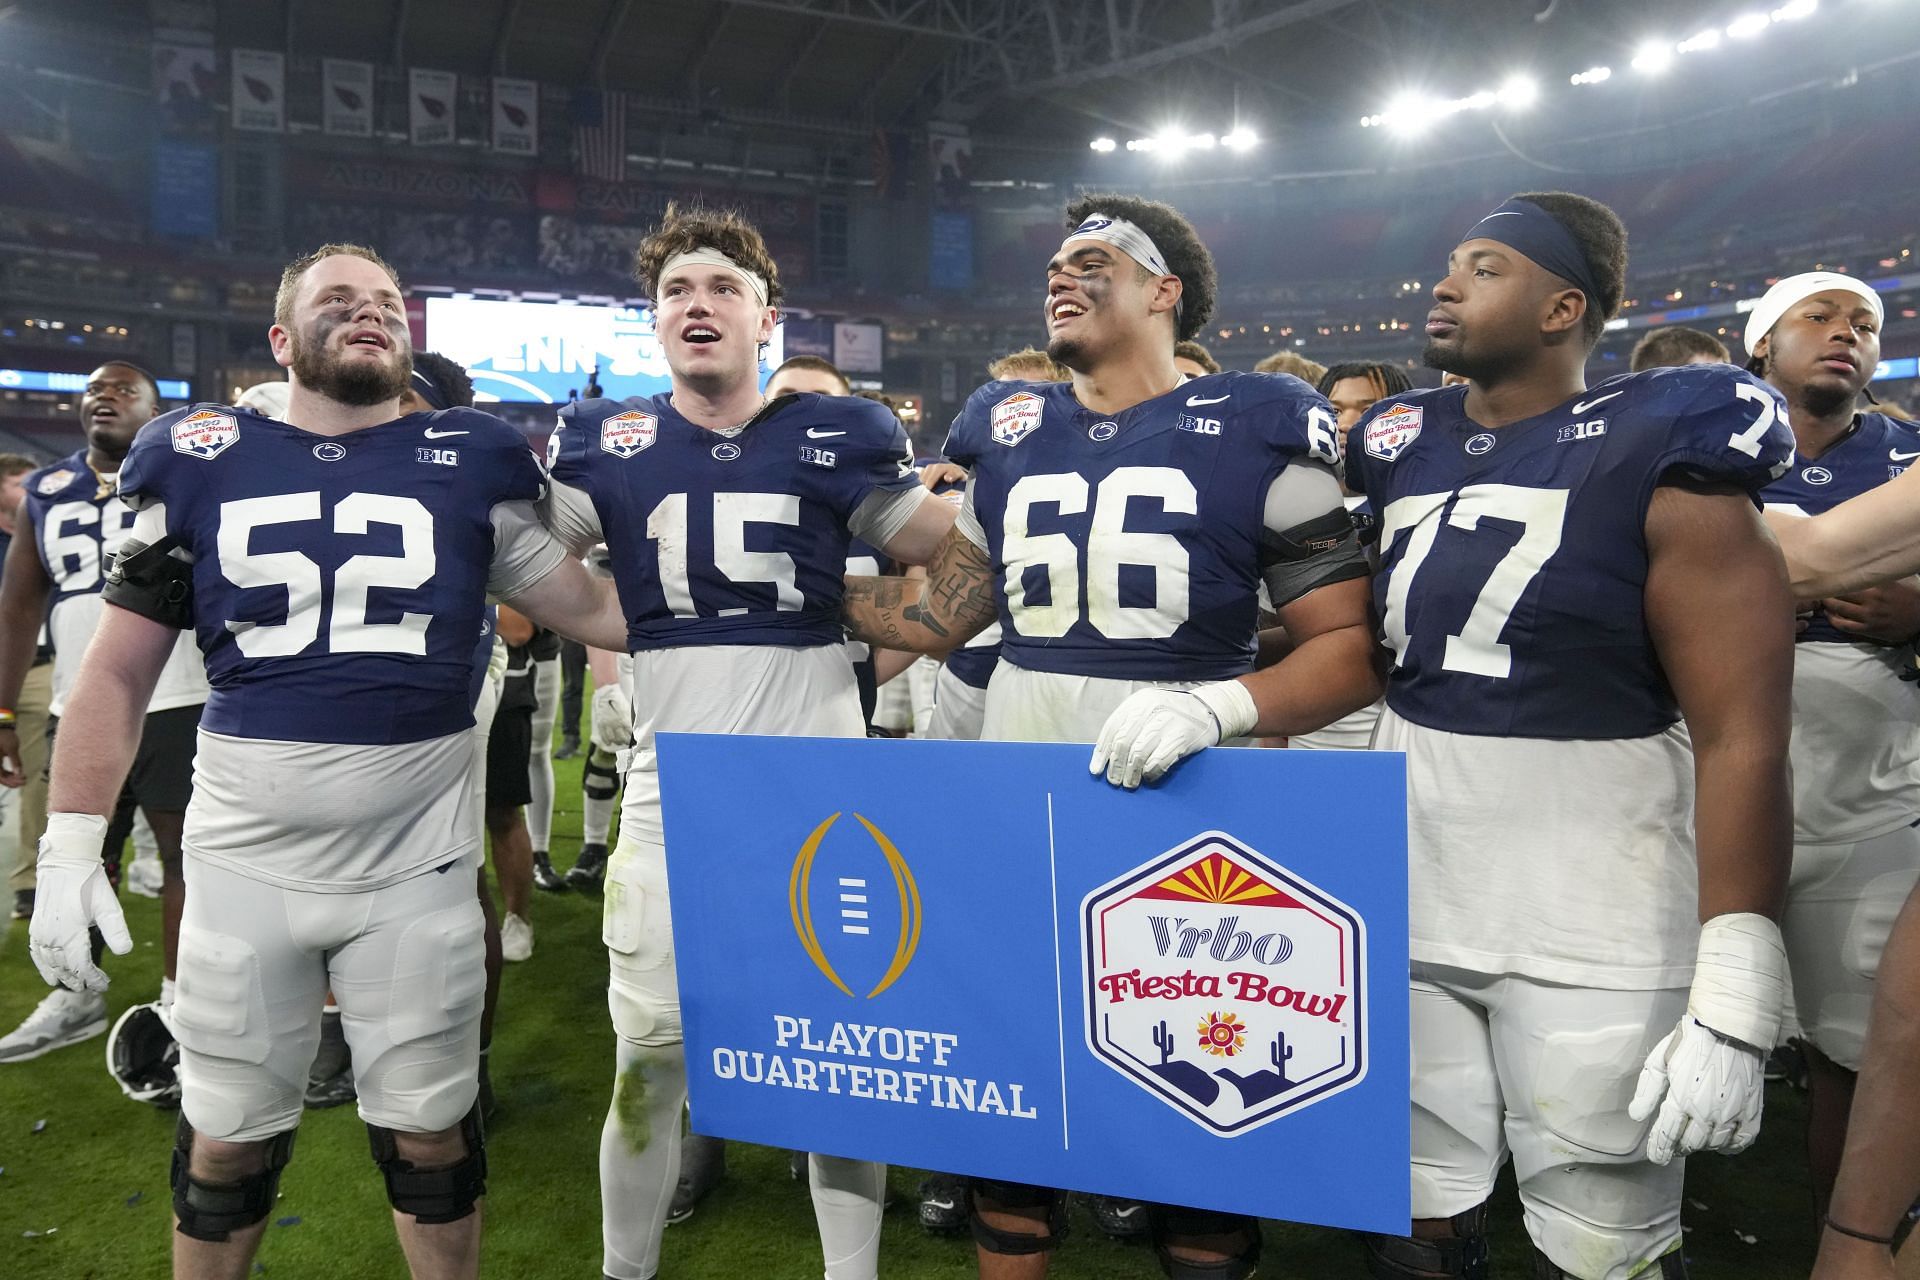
(1154, 729)
(71, 894)
(612, 729)
(1705, 1077)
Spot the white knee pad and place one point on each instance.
(643, 990)
(848, 1196)
(417, 1069)
(233, 1085)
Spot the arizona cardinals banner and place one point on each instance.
(346, 97)
(430, 106)
(1195, 993)
(516, 116)
(259, 101)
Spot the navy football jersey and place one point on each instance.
(737, 539)
(1513, 563)
(1128, 545)
(338, 581)
(77, 525)
(1874, 452)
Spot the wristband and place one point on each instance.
(7, 719)
(1857, 1235)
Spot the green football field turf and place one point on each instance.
(85, 1197)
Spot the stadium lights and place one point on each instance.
(1173, 142)
(1748, 25)
(1700, 42)
(1653, 57)
(1519, 92)
(1592, 75)
(1794, 10)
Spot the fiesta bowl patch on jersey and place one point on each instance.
(204, 433)
(1393, 431)
(55, 481)
(1224, 984)
(1015, 417)
(625, 434)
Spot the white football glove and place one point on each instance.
(1706, 1076)
(1155, 729)
(612, 718)
(70, 893)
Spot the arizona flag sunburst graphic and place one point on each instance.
(1218, 878)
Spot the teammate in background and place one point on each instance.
(1676, 345)
(1563, 573)
(1194, 360)
(1351, 389)
(77, 525)
(725, 639)
(335, 574)
(1308, 371)
(1232, 474)
(1856, 721)
(30, 809)
(543, 653)
(509, 744)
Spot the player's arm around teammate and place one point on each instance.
(1864, 542)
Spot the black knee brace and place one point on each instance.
(438, 1195)
(600, 776)
(1015, 1196)
(1166, 1222)
(1672, 1266)
(1461, 1256)
(214, 1210)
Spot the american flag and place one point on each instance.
(600, 134)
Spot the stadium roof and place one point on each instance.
(1049, 72)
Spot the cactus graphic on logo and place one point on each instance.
(1225, 984)
(872, 901)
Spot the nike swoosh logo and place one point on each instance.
(1194, 402)
(1510, 213)
(814, 433)
(1585, 405)
(442, 435)
(1898, 456)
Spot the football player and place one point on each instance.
(1856, 722)
(1120, 527)
(1564, 572)
(333, 569)
(727, 519)
(76, 525)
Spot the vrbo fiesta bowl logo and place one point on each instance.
(1224, 984)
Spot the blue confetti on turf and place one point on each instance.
(288, 1222)
(135, 1198)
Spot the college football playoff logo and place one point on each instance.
(1225, 985)
(625, 434)
(865, 915)
(205, 434)
(1015, 417)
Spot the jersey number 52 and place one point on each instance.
(348, 630)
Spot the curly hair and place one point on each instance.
(448, 375)
(296, 271)
(681, 231)
(1177, 241)
(1602, 238)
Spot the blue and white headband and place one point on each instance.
(1126, 237)
(1528, 229)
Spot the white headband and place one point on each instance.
(1794, 290)
(707, 256)
(1126, 237)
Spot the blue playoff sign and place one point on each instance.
(978, 958)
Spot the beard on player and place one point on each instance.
(352, 381)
